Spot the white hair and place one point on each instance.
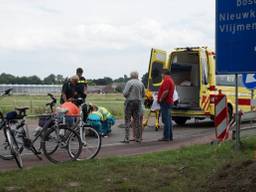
(74, 77)
(134, 75)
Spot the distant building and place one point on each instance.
(44, 89)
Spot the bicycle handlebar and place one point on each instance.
(6, 92)
(52, 103)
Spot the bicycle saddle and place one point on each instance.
(22, 111)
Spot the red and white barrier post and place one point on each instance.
(221, 117)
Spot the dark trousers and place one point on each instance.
(132, 110)
(167, 120)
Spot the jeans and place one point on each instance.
(167, 120)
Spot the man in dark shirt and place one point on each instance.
(165, 99)
(68, 92)
(81, 86)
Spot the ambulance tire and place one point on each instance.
(230, 112)
(180, 120)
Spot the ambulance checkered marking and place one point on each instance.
(205, 103)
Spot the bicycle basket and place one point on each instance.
(44, 119)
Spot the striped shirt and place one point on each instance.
(134, 90)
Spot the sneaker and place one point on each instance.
(132, 139)
(125, 141)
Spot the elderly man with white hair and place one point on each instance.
(68, 91)
(134, 94)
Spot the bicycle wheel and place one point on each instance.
(91, 140)
(14, 148)
(61, 144)
(5, 151)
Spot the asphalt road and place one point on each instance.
(192, 133)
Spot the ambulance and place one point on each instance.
(193, 71)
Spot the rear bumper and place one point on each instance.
(189, 113)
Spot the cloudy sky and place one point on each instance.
(108, 38)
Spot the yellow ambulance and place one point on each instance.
(193, 71)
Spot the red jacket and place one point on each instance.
(168, 84)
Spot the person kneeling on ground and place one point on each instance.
(101, 119)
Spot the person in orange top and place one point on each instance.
(73, 110)
(72, 114)
(165, 99)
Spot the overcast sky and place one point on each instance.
(108, 38)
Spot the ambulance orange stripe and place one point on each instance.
(244, 101)
(206, 103)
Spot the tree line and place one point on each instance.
(59, 79)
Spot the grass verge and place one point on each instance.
(187, 169)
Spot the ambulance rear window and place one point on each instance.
(185, 58)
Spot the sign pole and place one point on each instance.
(237, 145)
(252, 96)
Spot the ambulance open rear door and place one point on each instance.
(158, 61)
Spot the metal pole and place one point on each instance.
(237, 146)
(252, 96)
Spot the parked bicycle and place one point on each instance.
(9, 148)
(58, 142)
(90, 137)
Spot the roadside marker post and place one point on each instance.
(221, 117)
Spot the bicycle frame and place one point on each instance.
(82, 125)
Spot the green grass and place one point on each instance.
(113, 102)
(187, 169)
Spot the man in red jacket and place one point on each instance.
(165, 99)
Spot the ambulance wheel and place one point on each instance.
(230, 112)
(180, 120)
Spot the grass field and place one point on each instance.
(184, 170)
(113, 102)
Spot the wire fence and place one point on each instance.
(18, 89)
(31, 89)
